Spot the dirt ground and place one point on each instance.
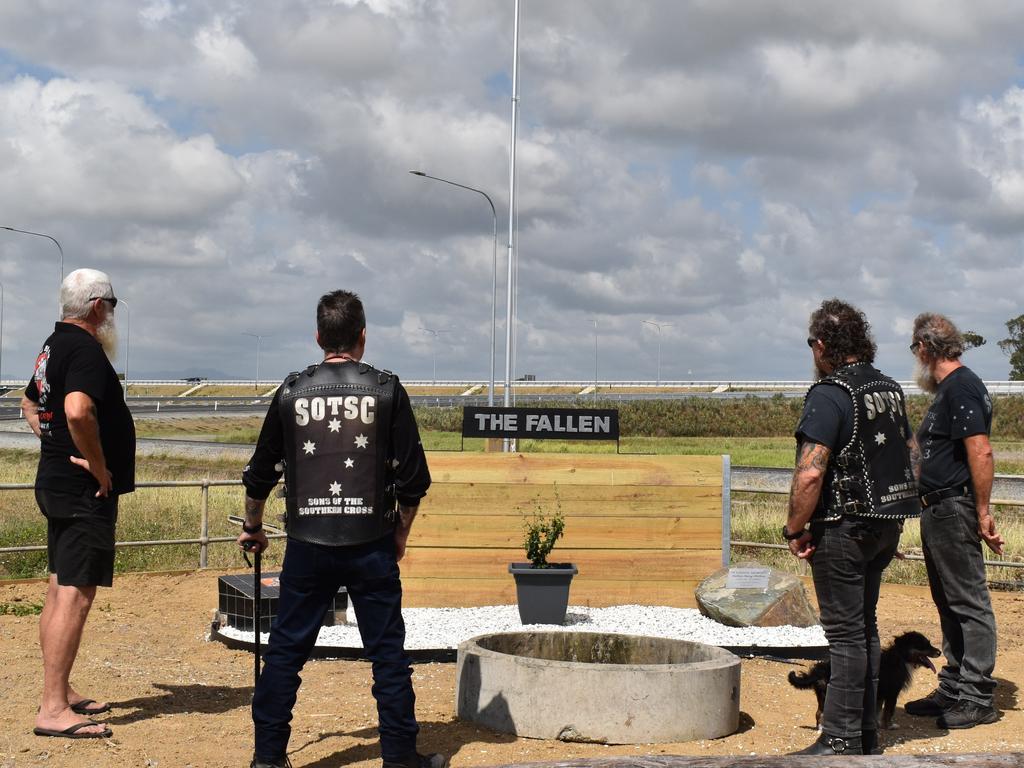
(182, 701)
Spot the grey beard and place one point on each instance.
(925, 378)
(106, 335)
(816, 373)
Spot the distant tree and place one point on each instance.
(1013, 345)
(972, 340)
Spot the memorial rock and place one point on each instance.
(775, 599)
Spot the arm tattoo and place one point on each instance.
(812, 456)
(915, 456)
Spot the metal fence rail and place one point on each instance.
(203, 540)
(776, 481)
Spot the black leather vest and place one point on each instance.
(337, 422)
(870, 476)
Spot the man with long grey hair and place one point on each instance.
(75, 406)
(954, 470)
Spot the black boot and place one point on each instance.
(833, 745)
(869, 743)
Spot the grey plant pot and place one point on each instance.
(542, 593)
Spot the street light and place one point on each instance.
(494, 269)
(259, 340)
(594, 321)
(433, 344)
(1, 333)
(659, 326)
(60, 309)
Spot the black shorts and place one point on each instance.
(79, 537)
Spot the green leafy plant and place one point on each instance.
(541, 534)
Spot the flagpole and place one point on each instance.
(510, 298)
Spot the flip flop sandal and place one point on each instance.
(73, 732)
(82, 708)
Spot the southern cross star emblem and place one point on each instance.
(335, 488)
(309, 447)
(880, 438)
(362, 441)
(908, 474)
(334, 425)
(349, 463)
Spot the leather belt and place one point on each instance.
(934, 497)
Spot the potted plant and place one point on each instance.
(542, 588)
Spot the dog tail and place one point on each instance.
(801, 679)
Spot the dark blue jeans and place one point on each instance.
(847, 568)
(956, 574)
(310, 577)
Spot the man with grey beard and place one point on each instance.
(75, 406)
(955, 469)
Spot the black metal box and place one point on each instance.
(235, 602)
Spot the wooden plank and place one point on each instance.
(953, 760)
(446, 593)
(502, 498)
(518, 492)
(574, 469)
(622, 532)
(614, 565)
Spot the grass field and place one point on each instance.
(754, 432)
(146, 515)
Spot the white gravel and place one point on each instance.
(445, 628)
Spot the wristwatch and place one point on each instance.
(793, 536)
(251, 531)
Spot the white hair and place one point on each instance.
(79, 287)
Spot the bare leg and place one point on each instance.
(60, 632)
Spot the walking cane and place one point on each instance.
(256, 607)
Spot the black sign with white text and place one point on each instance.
(541, 423)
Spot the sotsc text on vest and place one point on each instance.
(350, 407)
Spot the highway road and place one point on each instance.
(202, 406)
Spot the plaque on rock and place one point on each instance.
(734, 596)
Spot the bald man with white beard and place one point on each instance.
(75, 406)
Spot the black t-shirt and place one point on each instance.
(412, 477)
(72, 360)
(827, 417)
(961, 408)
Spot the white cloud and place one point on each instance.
(722, 166)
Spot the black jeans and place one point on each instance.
(310, 577)
(956, 574)
(847, 568)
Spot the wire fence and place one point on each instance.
(203, 540)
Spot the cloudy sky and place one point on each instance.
(721, 166)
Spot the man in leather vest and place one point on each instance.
(347, 438)
(955, 481)
(852, 488)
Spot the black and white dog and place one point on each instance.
(896, 669)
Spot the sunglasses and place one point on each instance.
(111, 299)
(810, 341)
(914, 346)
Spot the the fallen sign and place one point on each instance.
(541, 423)
(971, 760)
